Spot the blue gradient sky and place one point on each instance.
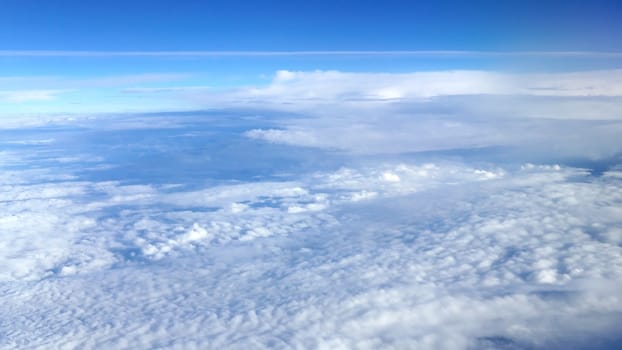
(108, 28)
(316, 25)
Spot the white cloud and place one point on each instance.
(21, 96)
(53, 83)
(302, 87)
(163, 90)
(379, 253)
(442, 110)
(407, 112)
(415, 53)
(294, 137)
(449, 257)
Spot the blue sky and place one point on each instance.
(68, 42)
(314, 25)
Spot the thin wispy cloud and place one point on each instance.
(241, 53)
(174, 89)
(22, 96)
(49, 82)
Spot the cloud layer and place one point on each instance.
(393, 255)
(308, 216)
(389, 113)
(378, 113)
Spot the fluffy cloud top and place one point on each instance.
(395, 255)
(211, 231)
(299, 89)
(395, 113)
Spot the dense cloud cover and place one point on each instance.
(386, 211)
(389, 113)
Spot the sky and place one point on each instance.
(301, 25)
(81, 56)
(310, 175)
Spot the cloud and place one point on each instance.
(124, 80)
(416, 53)
(389, 113)
(281, 136)
(371, 252)
(333, 86)
(380, 113)
(89, 95)
(50, 83)
(402, 132)
(443, 255)
(22, 96)
(158, 90)
(335, 94)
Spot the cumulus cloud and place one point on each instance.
(106, 244)
(439, 255)
(365, 113)
(426, 111)
(301, 88)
